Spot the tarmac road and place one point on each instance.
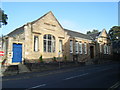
(105, 75)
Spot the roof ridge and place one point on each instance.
(75, 31)
(40, 17)
(93, 33)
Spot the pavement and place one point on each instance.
(104, 75)
(24, 69)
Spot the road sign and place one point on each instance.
(1, 53)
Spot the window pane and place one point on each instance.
(44, 36)
(71, 46)
(53, 46)
(49, 36)
(104, 49)
(80, 48)
(49, 44)
(85, 48)
(76, 47)
(44, 45)
(36, 43)
(60, 45)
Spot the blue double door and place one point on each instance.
(17, 53)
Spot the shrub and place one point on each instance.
(54, 59)
(41, 59)
(65, 58)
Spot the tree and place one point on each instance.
(88, 32)
(94, 31)
(3, 18)
(114, 33)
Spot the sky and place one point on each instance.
(76, 16)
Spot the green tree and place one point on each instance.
(114, 33)
(3, 18)
(95, 31)
(88, 32)
(92, 32)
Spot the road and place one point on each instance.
(105, 75)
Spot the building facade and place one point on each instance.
(45, 36)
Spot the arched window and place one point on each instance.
(49, 43)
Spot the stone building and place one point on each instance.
(103, 45)
(45, 36)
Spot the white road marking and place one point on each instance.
(36, 86)
(89, 69)
(105, 69)
(115, 85)
(75, 76)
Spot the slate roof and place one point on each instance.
(78, 34)
(94, 35)
(16, 31)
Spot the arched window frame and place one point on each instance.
(49, 43)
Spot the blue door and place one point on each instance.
(17, 53)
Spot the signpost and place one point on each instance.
(1, 54)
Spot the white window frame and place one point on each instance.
(71, 46)
(52, 41)
(80, 47)
(60, 46)
(76, 47)
(105, 49)
(36, 43)
(85, 48)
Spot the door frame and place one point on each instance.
(92, 55)
(16, 63)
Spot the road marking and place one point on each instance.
(105, 69)
(115, 85)
(75, 76)
(36, 86)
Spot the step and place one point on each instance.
(23, 68)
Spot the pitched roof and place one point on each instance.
(78, 34)
(94, 35)
(18, 30)
(40, 18)
(44, 16)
